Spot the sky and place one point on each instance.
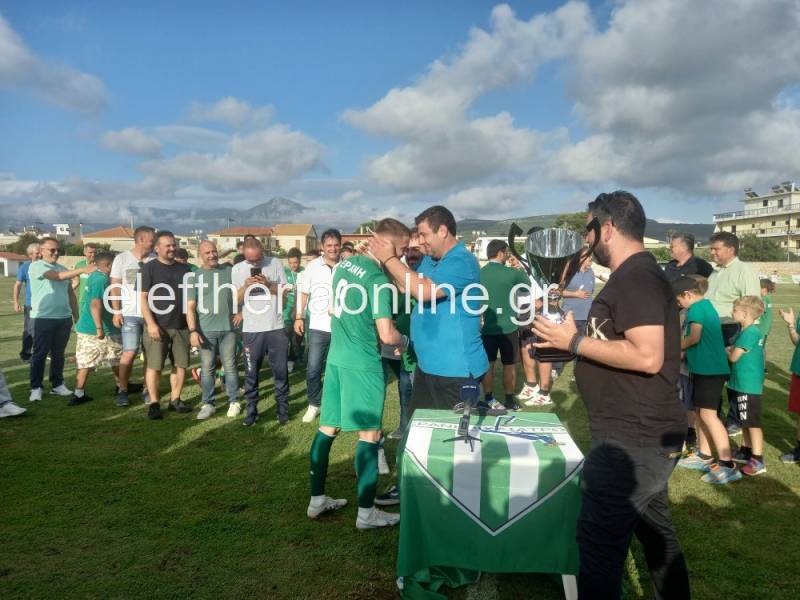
(363, 110)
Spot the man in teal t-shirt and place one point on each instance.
(79, 284)
(355, 389)
(99, 340)
(209, 317)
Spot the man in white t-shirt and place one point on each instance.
(125, 302)
(315, 293)
(260, 280)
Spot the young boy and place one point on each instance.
(708, 365)
(746, 356)
(793, 457)
(99, 340)
(765, 322)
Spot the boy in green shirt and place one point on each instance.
(788, 317)
(355, 388)
(292, 271)
(765, 321)
(747, 382)
(99, 340)
(708, 365)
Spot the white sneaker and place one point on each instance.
(234, 409)
(206, 412)
(316, 507)
(543, 400)
(554, 374)
(370, 518)
(9, 409)
(36, 395)
(61, 390)
(311, 414)
(383, 466)
(527, 392)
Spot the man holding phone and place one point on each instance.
(261, 283)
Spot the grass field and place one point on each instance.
(99, 502)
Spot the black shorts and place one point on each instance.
(749, 408)
(506, 343)
(707, 390)
(435, 391)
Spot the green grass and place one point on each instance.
(99, 502)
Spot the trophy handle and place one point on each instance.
(513, 232)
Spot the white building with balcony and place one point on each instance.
(774, 215)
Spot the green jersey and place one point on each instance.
(747, 373)
(83, 280)
(795, 366)
(708, 356)
(288, 305)
(498, 280)
(96, 285)
(358, 302)
(765, 322)
(214, 311)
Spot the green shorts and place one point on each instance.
(352, 400)
(174, 343)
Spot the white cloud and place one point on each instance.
(131, 141)
(351, 196)
(189, 136)
(273, 155)
(57, 84)
(688, 96)
(494, 201)
(235, 113)
(440, 144)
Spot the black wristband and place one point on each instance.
(575, 342)
(390, 258)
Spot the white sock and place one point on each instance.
(364, 513)
(78, 393)
(317, 500)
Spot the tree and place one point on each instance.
(759, 249)
(661, 253)
(574, 221)
(21, 245)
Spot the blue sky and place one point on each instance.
(495, 110)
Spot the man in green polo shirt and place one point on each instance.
(209, 317)
(499, 333)
(354, 390)
(79, 283)
(732, 280)
(99, 340)
(292, 270)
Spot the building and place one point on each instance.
(10, 262)
(119, 238)
(69, 233)
(775, 215)
(226, 239)
(296, 235)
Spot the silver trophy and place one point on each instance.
(552, 256)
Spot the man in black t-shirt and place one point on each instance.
(627, 374)
(684, 262)
(166, 333)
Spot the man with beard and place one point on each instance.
(627, 374)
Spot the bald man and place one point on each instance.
(211, 308)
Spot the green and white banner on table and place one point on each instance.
(509, 504)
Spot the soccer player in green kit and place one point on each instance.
(354, 390)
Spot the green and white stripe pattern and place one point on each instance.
(520, 462)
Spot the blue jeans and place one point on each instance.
(222, 344)
(50, 336)
(405, 385)
(273, 345)
(318, 344)
(27, 335)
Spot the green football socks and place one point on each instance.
(367, 472)
(320, 451)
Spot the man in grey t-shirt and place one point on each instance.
(260, 280)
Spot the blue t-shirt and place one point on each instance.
(448, 342)
(22, 276)
(580, 306)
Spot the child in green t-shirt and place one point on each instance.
(765, 321)
(794, 387)
(708, 365)
(747, 382)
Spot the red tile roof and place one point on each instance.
(120, 231)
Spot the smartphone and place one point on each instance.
(255, 271)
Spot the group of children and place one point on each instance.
(709, 362)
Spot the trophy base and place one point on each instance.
(551, 355)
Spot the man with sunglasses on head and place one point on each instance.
(627, 374)
(54, 309)
(124, 298)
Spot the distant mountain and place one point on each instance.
(654, 229)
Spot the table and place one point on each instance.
(510, 505)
